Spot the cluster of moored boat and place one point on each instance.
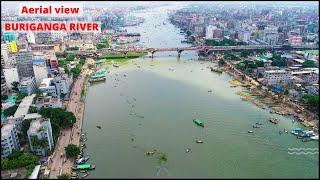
(305, 135)
(80, 162)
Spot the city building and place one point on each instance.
(4, 87)
(27, 85)
(47, 102)
(295, 39)
(48, 87)
(9, 139)
(31, 38)
(209, 31)
(24, 64)
(40, 136)
(40, 70)
(63, 84)
(11, 75)
(273, 77)
(9, 36)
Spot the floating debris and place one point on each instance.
(210, 90)
(99, 127)
(188, 150)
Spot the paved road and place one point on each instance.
(70, 135)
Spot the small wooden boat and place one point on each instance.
(199, 122)
(83, 171)
(85, 175)
(188, 150)
(250, 131)
(254, 126)
(99, 127)
(199, 141)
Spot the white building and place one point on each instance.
(274, 77)
(31, 38)
(9, 139)
(27, 85)
(5, 52)
(209, 31)
(11, 75)
(40, 136)
(40, 70)
(62, 84)
(244, 36)
(47, 86)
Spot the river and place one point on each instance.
(152, 107)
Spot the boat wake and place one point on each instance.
(161, 168)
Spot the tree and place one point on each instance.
(64, 176)
(32, 109)
(70, 57)
(312, 100)
(72, 150)
(308, 64)
(100, 46)
(59, 116)
(221, 62)
(10, 111)
(277, 60)
(4, 97)
(260, 63)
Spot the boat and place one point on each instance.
(274, 120)
(316, 137)
(188, 150)
(296, 131)
(199, 122)
(85, 175)
(99, 127)
(210, 90)
(255, 126)
(83, 171)
(82, 160)
(250, 131)
(257, 123)
(199, 141)
(115, 65)
(85, 167)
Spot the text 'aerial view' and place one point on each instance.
(151, 89)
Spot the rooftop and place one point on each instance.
(46, 82)
(6, 130)
(32, 116)
(26, 81)
(24, 106)
(35, 125)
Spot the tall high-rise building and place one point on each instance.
(24, 64)
(9, 139)
(4, 88)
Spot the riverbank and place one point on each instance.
(264, 99)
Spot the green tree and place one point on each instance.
(10, 111)
(312, 100)
(308, 64)
(64, 176)
(4, 97)
(72, 150)
(221, 62)
(59, 116)
(101, 46)
(259, 63)
(70, 57)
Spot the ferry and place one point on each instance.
(98, 76)
(85, 167)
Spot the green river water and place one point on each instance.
(152, 107)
